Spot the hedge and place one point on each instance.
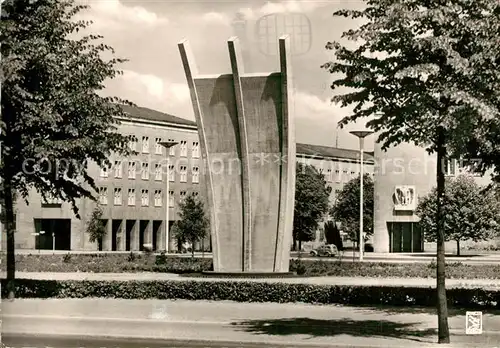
(254, 292)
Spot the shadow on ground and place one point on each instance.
(452, 312)
(336, 327)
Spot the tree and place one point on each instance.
(346, 208)
(54, 119)
(428, 71)
(193, 224)
(96, 228)
(311, 203)
(332, 235)
(469, 212)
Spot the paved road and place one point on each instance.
(166, 323)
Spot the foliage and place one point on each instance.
(55, 120)
(426, 72)
(311, 202)
(346, 208)
(255, 291)
(470, 213)
(96, 227)
(332, 235)
(193, 224)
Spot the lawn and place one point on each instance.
(135, 262)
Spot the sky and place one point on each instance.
(147, 33)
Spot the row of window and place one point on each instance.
(158, 174)
(145, 146)
(132, 197)
(338, 177)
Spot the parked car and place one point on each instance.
(329, 250)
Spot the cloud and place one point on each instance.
(302, 6)
(317, 119)
(153, 92)
(216, 18)
(112, 14)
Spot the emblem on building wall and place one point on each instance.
(405, 198)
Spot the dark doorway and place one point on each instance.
(157, 226)
(115, 231)
(405, 237)
(53, 234)
(129, 230)
(143, 226)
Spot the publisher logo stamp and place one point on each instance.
(474, 323)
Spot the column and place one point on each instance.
(107, 241)
(134, 236)
(121, 236)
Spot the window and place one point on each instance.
(131, 196)
(196, 175)
(171, 199)
(132, 169)
(104, 171)
(158, 146)
(118, 169)
(183, 174)
(172, 148)
(133, 144)
(183, 195)
(158, 176)
(196, 194)
(145, 171)
(158, 198)
(183, 144)
(353, 173)
(337, 175)
(145, 144)
(328, 175)
(171, 173)
(195, 151)
(449, 167)
(145, 198)
(103, 195)
(118, 196)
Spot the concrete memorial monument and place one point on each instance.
(246, 129)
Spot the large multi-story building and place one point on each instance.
(132, 192)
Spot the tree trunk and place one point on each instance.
(300, 245)
(9, 224)
(192, 249)
(458, 247)
(442, 308)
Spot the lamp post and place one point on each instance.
(361, 136)
(167, 145)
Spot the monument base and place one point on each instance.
(213, 274)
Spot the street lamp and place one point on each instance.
(361, 136)
(167, 145)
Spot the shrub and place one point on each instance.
(242, 291)
(67, 258)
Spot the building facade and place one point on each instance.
(132, 192)
(402, 175)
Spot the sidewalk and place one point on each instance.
(269, 323)
(493, 284)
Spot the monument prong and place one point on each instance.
(288, 149)
(236, 59)
(191, 71)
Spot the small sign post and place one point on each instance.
(474, 323)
